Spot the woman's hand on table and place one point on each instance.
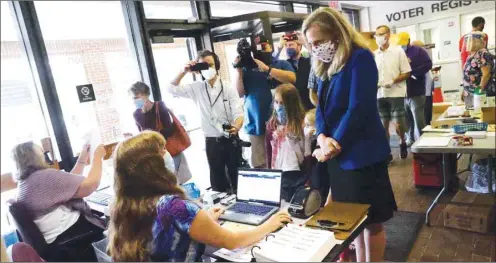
(277, 220)
(215, 212)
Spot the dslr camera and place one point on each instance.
(245, 55)
(238, 145)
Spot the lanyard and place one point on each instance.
(216, 99)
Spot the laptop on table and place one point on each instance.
(258, 196)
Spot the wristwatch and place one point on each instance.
(270, 69)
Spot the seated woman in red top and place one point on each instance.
(146, 119)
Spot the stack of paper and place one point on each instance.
(434, 142)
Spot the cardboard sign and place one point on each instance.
(86, 93)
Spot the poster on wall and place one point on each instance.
(86, 93)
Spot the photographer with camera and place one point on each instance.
(221, 116)
(256, 76)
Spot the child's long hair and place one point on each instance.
(140, 180)
(294, 110)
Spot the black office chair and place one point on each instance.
(76, 248)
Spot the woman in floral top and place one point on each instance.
(478, 68)
(152, 220)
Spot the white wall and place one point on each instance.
(445, 16)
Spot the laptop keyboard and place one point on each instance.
(100, 198)
(250, 209)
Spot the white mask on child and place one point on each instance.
(169, 162)
(308, 131)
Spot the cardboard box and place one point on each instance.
(470, 211)
(488, 115)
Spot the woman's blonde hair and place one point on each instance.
(294, 109)
(28, 158)
(310, 116)
(333, 23)
(140, 180)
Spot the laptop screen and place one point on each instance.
(262, 186)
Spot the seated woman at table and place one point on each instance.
(152, 220)
(55, 197)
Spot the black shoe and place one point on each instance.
(403, 151)
(390, 159)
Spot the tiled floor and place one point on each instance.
(437, 243)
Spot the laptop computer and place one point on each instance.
(258, 196)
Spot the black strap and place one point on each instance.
(218, 96)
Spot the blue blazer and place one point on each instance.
(348, 112)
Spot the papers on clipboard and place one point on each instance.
(434, 142)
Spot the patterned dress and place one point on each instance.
(472, 73)
(171, 240)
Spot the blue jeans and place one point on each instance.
(414, 112)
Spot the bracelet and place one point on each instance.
(270, 69)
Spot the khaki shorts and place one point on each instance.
(257, 158)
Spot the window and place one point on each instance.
(168, 9)
(300, 8)
(236, 8)
(22, 113)
(353, 17)
(226, 50)
(83, 50)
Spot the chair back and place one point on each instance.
(27, 229)
(22, 252)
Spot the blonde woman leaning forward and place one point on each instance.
(349, 131)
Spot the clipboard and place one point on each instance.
(345, 215)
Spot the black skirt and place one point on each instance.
(367, 185)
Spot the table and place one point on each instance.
(333, 255)
(486, 146)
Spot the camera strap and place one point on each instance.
(218, 96)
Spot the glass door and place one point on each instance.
(169, 59)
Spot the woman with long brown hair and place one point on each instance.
(152, 220)
(349, 130)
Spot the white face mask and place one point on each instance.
(209, 73)
(325, 52)
(381, 40)
(169, 162)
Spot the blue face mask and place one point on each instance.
(281, 114)
(404, 47)
(139, 103)
(291, 52)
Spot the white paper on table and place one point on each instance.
(434, 142)
(491, 134)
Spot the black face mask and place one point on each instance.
(265, 57)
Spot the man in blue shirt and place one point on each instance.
(255, 85)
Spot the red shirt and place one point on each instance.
(463, 51)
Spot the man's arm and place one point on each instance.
(178, 90)
(283, 76)
(238, 82)
(421, 64)
(486, 75)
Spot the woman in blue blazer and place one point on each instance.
(350, 134)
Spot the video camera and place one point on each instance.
(245, 51)
(245, 55)
(238, 145)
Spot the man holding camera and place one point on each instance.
(293, 42)
(255, 83)
(221, 116)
